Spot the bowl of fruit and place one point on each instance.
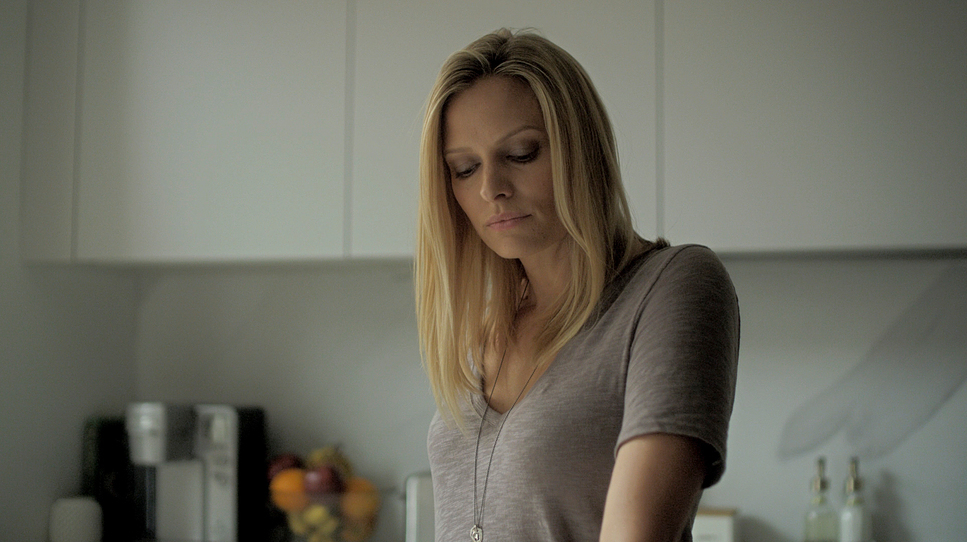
(323, 499)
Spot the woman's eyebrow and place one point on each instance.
(512, 133)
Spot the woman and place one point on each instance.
(584, 377)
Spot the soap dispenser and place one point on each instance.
(821, 522)
(854, 519)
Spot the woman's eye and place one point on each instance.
(462, 172)
(523, 158)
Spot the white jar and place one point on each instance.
(75, 519)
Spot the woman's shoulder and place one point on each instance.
(674, 260)
(665, 272)
(688, 270)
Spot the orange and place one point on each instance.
(288, 490)
(361, 499)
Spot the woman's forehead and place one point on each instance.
(490, 110)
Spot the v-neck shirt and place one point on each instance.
(659, 356)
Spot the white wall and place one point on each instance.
(66, 337)
(332, 354)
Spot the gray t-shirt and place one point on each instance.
(660, 357)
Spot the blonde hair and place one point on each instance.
(466, 294)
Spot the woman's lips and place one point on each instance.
(504, 221)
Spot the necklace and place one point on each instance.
(476, 532)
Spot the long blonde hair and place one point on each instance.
(466, 294)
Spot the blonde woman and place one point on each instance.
(584, 376)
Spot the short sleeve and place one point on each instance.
(683, 356)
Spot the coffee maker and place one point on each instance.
(199, 471)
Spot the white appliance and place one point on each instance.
(419, 508)
(201, 471)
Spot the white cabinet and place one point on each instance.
(816, 125)
(199, 131)
(400, 47)
(169, 131)
(47, 189)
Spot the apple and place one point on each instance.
(284, 461)
(323, 479)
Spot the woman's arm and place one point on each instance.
(657, 480)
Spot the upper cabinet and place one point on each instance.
(400, 47)
(234, 131)
(821, 125)
(47, 187)
(160, 131)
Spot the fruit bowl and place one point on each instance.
(322, 498)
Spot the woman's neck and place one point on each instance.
(547, 279)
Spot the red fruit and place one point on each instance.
(323, 479)
(284, 461)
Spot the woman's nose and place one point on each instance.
(495, 183)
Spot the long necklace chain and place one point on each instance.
(476, 531)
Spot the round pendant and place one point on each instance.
(476, 533)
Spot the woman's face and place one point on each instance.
(496, 150)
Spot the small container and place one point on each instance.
(75, 519)
(714, 525)
(854, 518)
(821, 522)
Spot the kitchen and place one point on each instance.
(289, 332)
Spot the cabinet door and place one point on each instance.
(47, 187)
(400, 47)
(816, 125)
(211, 130)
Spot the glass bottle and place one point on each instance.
(821, 522)
(854, 518)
